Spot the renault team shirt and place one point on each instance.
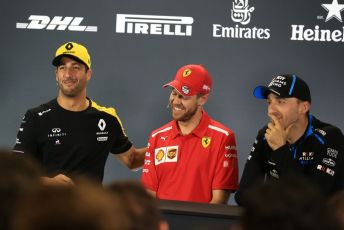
(71, 143)
(189, 167)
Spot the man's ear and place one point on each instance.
(203, 99)
(56, 75)
(306, 106)
(89, 74)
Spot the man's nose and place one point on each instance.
(272, 109)
(68, 72)
(175, 100)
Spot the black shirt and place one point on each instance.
(317, 155)
(72, 143)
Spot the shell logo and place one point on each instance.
(160, 155)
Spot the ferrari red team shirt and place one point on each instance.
(189, 167)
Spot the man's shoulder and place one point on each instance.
(327, 131)
(42, 109)
(103, 109)
(162, 130)
(219, 127)
(260, 135)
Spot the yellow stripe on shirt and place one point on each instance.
(109, 110)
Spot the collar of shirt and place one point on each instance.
(307, 133)
(199, 131)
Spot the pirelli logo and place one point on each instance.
(154, 24)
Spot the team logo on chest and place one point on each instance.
(57, 132)
(102, 135)
(307, 156)
(101, 124)
(160, 155)
(206, 142)
(166, 154)
(172, 153)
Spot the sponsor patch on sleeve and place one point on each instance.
(166, 154)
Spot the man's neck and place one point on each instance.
(298, 130)
(74, 104)
(186, 127)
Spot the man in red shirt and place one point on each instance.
(192, 158)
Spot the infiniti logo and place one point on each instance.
(56, 130)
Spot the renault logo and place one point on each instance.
(101, 124)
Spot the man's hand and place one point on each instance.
(220, 196)
(275, 134)
(151, 192)
(133, 158)
(60, 179)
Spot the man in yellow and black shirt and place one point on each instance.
(71, 135)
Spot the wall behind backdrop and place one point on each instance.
(137, 45)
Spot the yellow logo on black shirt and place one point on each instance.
(206, 142)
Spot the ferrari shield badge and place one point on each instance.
(206, 142)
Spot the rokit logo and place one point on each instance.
(333, 10)
(241, 13)
(40, 22)
(154, 25)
